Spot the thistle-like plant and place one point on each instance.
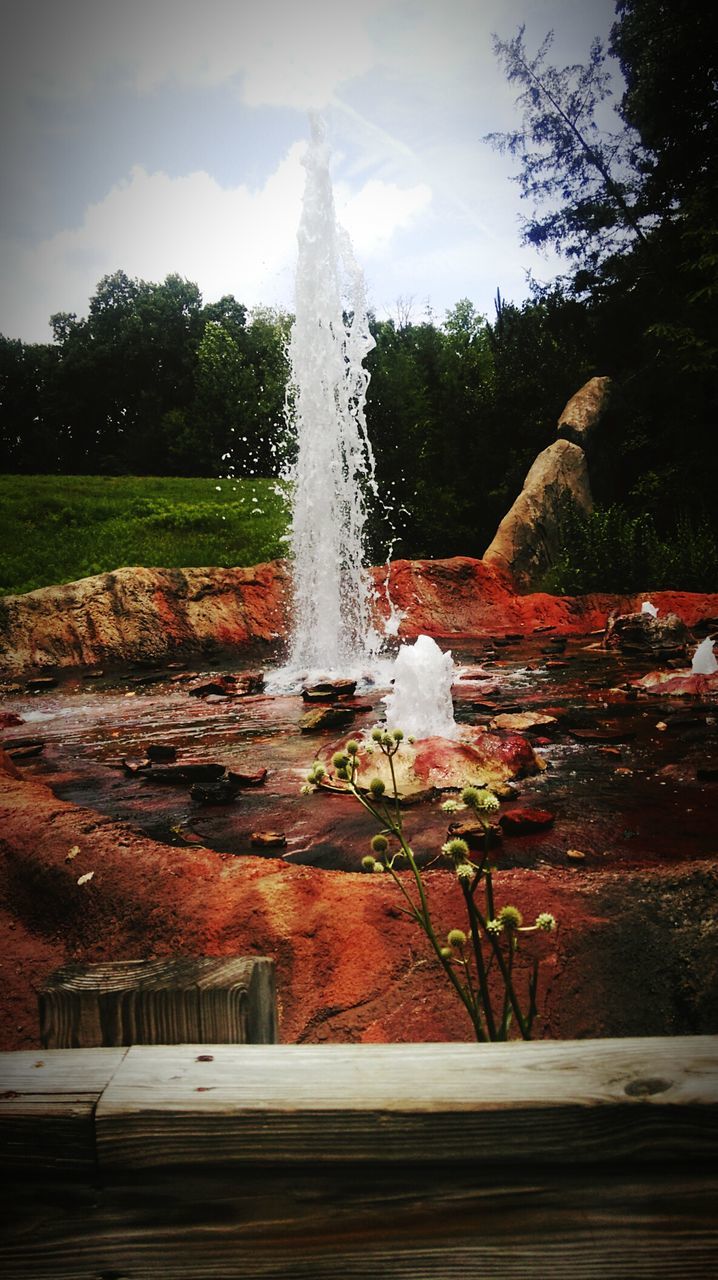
(492, 937)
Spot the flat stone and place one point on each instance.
(326, 717)
(38, 683)
(329, 690)
(174, 775)
(521, 721)
(603, 735)
(523, 822)
(475, 834)
(256, 779)
(268, 839)
(223, 791)
(160, 752)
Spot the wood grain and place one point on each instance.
(173, 1000)
(363, 1162)
(575, 1101)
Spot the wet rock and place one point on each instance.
(678, 684)
(256, 779)
(223, 791)
(708, 771)
(476, 835)
(326, 717)
(38, 684)
(329, 690)
(604, 734)
(249, 684)
(432, 765)
(173, 775)
(9, 718)
(7, 767)
(555, 664)
(28, 751)
(640, 633)
(524, 822)
(160, 752)
(219, 687)
(522, 721)
(133, 766)
(268, 839)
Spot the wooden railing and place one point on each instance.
(396, 1162)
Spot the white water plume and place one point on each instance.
(420, 702)
(333, 472)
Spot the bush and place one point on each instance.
(611, 550)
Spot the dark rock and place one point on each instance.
(27, 752)
(523, 822)
(159, 752)
(135, 766)
(252, 682)
(605, 734)
(223, 791)
(641, 633)
(219, 687)
(38, 683)
(326, 717)
(9, 718)
(708, 771)
(174, 775)
(249, 779)
(329, 690)
(268, 839)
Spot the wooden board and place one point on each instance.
(572, 1101)
(171, 1000)
(47, 1106)
(364, 1162)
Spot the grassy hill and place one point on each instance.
(55, 529)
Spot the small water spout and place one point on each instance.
(704, 660)
(420, 702)
(649, 608)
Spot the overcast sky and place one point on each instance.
(164, 136)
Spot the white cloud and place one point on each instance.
(228, 240)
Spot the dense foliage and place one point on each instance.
(154, 382)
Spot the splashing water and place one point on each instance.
(420, 702)
(334, 468)
(704, 660)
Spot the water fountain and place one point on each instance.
(332, 474)
(420, 701)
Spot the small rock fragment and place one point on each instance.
(523, 822)
(268, 839)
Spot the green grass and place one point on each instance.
(55, 529)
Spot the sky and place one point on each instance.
(159, 136)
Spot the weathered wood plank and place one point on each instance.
(47, 1106)
(478, 1221)
(171, 1000)
(567, 1101)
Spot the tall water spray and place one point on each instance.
(334, 468)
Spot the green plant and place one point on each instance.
(479, 963)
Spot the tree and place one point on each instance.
(584, 174)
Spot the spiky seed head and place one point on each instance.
(510, 917)
(377, 787)
(377, 734)
(318, 771)
(352, 747)
(456, 938)
(379, 844)
(546, 922)
(398, 735)
(494, 926)
(378, 866)
(465, 871)
(339, 760)
(367, 863)
(446, 952)
(456, 849)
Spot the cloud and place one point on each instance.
(279, 52)
(229, 240)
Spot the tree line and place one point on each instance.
(154, 381)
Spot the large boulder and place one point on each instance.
(584, 412)
(148, 615)
(527, 541)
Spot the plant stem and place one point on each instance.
(480, 967)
